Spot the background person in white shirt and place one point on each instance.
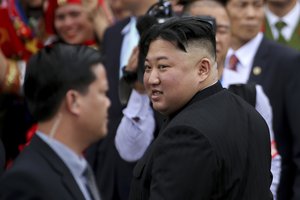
(283, 22)
(276, 69)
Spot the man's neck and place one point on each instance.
(237, 43)
(281, 9)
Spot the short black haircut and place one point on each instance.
(53, 71)
(182, 31)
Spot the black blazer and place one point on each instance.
(38, 173)
(113, 174)
(216, 147)
(2, 157)
(279, 68)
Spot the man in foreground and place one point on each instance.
(213, 145)
(65, 87)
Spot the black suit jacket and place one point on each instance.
(216, 147)
(113, 174)
(38, 173)
(2, 157)
(279, 77)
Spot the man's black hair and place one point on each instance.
(181, 31)
(55, 70)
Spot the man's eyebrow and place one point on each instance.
(158, 58)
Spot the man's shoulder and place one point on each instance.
(28, 161)
(275, 48)
(118, 26)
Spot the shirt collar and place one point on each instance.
(131, 25)
(77, 164)
(289, 18)
(243, 54)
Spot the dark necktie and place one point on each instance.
(233, 61)
(91, 183)
(279, 26)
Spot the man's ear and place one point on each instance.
(72, 101)
(204, 67)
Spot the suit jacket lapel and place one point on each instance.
(294, 42)
(267, 30)
(260, 63)
(58, 165)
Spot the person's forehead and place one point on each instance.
(69, 8)
(217, 12)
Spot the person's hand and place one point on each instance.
(108, 12)
(132, 67)
(91, 7)
(133, 60)
(97, 16)
(139, 87)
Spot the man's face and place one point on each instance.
(223, 34)
(171, 76)
(73, 24)
(246, 19)
(95, 104)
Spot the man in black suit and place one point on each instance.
(276, 69)
(214, 145)
(65, 87)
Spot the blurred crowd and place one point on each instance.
(257, 42)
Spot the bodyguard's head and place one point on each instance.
(218, 11)
(247, 17)
(53, 72)
(180, 61)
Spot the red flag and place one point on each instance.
(10, 44)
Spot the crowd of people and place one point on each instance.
(125, 99)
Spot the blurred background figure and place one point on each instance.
(118, 10)
(276, 68)
(77, 21)
(283, 22)
(22, 34)
(140, 124)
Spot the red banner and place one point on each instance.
(10, 44)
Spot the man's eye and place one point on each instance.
(60, 17)
(147, 67)
(162, 66)
(75, 14)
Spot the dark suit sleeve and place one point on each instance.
(293, 116)
(184, 166)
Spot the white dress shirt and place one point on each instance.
(130, 40)
(135, 132)
(291, 19)
(245, 57)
